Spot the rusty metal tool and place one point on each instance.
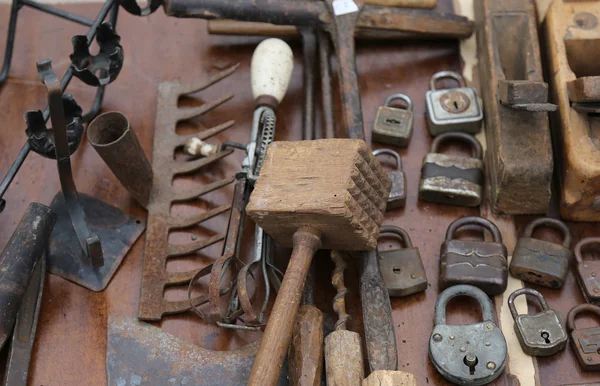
(131, 343)
(155, 276)
(293, 201)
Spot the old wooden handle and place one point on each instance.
(277, 336)
(305, 355)
(271, 70)
(344, 359)
(404, 3)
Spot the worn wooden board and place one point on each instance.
(71, 345)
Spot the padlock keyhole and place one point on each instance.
(393, 121)
(397, 270)
(471, 361)
(546, 337)
(456, 105)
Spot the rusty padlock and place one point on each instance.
(540, 334)
(587, 272)
(452, 179)
(482, 264)
(402, 269)
(394, 126)
(585, 341)
(397, 197)
(454, 109)
(542, 262)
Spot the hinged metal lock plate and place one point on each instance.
(452, 179)
(585, 341)
(482, 264)
(473, 354)
(394, 126)
(587, 272)
(397, 197)
(542, 262)
(540, 334)
(402, 269)
(454, 109)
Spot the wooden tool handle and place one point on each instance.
(404, 3)
(271, 71)
(277, 336)
(390, 378)
(305, 355)
(344, 359)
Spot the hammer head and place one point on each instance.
(333, 185)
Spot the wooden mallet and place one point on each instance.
(329, 194)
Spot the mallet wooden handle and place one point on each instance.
(277, 336)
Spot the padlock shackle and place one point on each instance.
(457, 136)
(525, 291)
(392, 153)
(476, 221)
(446, 75)
(463, 290)
(550, 223)
(591, 308)
(404, 97)
(395, 232)
(582, 243)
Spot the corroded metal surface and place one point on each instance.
(155, 276)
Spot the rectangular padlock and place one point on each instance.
(402, 269)
(585, 341)
(542, 262)
(397, 196)
(451, 179)
(541, 334)
(482, 264)
(394, 126)
(454, 109)
(587, 272)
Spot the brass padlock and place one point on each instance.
(540, 334)
(452, 179)
(587, 272)
(472, 354)
(482, 264)
(394, 126)
(453, 109)
(585, 341)
(402, 269)
(542, 262)
(397, 197)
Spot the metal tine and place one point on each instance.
(187, 113)
(214, 79)
(193, 194)
(194, 165)
(189, 222)
(184, 249)
(204, 134)
(177, 278)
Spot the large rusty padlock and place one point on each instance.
(402, 269)
(452, 179)
(397, 197)
(587, 272)
(480, 263)
(394, 126)
(585, 341)
(541, 334)
(453, 109)
(473, 354)
(542, 262)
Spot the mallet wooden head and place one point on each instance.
(334, 186)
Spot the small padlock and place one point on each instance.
(542, 262)
(453, 109)
(587, 272)
(540, 334)
(397, 197)
(482, 264)
(585, 341)
(473, 354)
(402, 269)
(394, 126)
(451, 179)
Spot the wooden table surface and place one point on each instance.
(71, 341)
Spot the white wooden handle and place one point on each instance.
(271, 69)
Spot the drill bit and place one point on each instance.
(339, 301)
